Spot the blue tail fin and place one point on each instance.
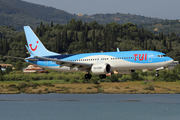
(35, 47)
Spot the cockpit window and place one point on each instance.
(161, 55)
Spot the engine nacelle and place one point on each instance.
(125, 71)
(101, 68)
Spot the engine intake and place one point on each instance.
(101, 69)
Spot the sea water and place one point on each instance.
(90, 107)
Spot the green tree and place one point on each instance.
(76, 36)
(19, 65)
(8, 69)
(170, 46)
(52, 24)
(145, 44)
(1, 74)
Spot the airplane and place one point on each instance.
(102, 63)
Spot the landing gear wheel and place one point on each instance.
(157, 74)
(102, 76)
(87, 76)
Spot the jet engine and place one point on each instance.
(101, 68)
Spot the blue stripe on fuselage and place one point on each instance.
(149, 57)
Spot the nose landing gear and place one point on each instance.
(157, 73)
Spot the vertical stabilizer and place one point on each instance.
(36, 48)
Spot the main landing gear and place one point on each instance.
(102, 76)
(87, 76)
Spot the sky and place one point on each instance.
(165, 9)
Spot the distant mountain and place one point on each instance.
(119, 18)
(165, 26)
(17, 13)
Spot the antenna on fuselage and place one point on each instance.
(118, 50)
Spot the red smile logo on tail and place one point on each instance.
(32, 48)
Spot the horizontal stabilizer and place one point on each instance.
(32, 59)
(15, 57)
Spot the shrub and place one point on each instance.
(2, 78)
(149, 87)
(34, 87)
(107, 79)
(135, 76)
(126, 87)
(177, 69)
(126, 77)
(73, 81)
(1, 90)
(144, 73)
(16, 72)
(45, 89)
(114, 78)
(171, 77)
(49, 77)
(168, 77)
(36, 84)
(94, 80)
(12, 85)
(12, 89)
(66, 79)
(39, 91)
(31, 84)
(48, 84)
(152, 73)
(22, 85)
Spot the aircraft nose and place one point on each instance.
(170, 60)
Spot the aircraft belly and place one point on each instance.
(64, 69)
(126, 65)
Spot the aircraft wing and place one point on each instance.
(70, 64)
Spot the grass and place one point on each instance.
(58, 86)
(39, 82)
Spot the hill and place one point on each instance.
(118, 18)
(165, 26)
(18, 13)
